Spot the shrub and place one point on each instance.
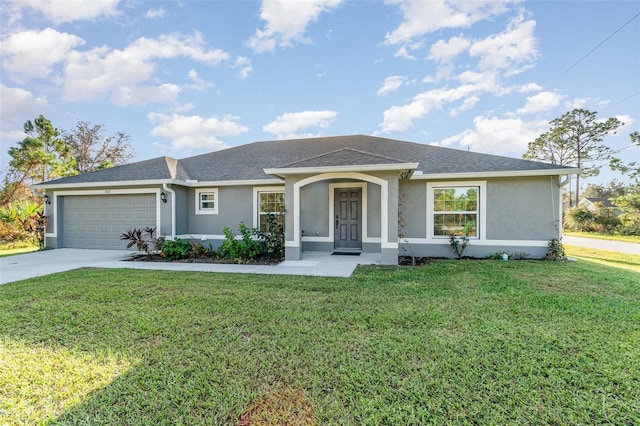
(273, 237)
(460, 242)
(241, 250)
(600, 220)
(176, 249)
(556, 251)
(22, 222)
(145, 239)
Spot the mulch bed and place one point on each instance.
(197, 259)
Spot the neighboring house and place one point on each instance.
(594, 203)
(344, 193)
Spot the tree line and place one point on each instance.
(577, 139)
(47, 153)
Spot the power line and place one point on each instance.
(602, 42)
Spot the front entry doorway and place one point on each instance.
(348, 219)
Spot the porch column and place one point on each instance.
(292, 245)
(389, 248)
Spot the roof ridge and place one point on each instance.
(346, 148)
(375, 155)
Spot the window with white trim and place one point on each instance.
(207, 201)
(454, 208)
(270, 202)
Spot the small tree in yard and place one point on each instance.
(574, 139)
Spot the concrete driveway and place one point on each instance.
(36, 264)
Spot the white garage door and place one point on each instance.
(98, 221)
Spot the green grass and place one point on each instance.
(605, 257)
(601, 236)
(453, 342)
(19, 248)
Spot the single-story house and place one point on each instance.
(342, 193)
(595, 203)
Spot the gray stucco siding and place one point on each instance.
(472, 250)
(522, 208)
(412, 205)
(314, 209)
(373, 210)
(182, 209)
(235, 205)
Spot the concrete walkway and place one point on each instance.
(36, 264)
(619, 246)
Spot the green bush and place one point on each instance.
(176, 249)
(583, 220)
(22, 222)
(273, 237)
(242, 250)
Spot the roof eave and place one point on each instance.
(194, 184)
(502, 173)
(338, 169)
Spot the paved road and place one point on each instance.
(619, 246)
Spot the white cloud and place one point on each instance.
(542, 101)
(199, 84)
(509, 50)
(499, 135)
(391, 84)
(101, 72)
(424, 17)
(155, 13)
(144, 95)
(289, 125)
(529, 87)
(445, 51)
(398, 118)
(31, 53)
(468, 104)
(195, 132)
(245, 67)
(71, 10)
(286, 22)
(16, 107)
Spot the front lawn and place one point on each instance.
(453, 342)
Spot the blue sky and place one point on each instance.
(183, 78)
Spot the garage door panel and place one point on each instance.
(97, 221)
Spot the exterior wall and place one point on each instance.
(521, 217)
(235, 205)
(373, 210)
(182, 209)
(314, 209)
(522, 209)
(412, 208)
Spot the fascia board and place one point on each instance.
(512, 173)
(42, 186)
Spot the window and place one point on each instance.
(207, 201)
(270, 202)
(455, 208)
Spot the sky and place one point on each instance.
(188, 77)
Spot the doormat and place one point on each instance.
(345, 253)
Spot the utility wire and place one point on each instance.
(601, 43)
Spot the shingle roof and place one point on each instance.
(247, 162)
